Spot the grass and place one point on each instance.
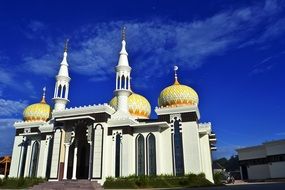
(161, 181)
(17, 183)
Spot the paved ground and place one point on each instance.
(248, 186)
(240, 186)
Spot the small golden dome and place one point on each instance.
(37, 112)
(177, 95)
(138, 105)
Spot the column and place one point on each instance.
(125, 83)
(129, 81)
(97, 152)
(66, 160)
(120, 82)
(21, 156)
(90, 160)
(46, 155)
(55, 155)
(74, 163)
(117, 81)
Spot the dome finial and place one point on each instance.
(44, 95)
(66, 45)
(175, 74)
(124, 33)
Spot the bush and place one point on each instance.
(218, 177)
(20, 182)
(119, 183)
(162, 181)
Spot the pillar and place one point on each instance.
(90, 160)
(74, 163)
(66, 160)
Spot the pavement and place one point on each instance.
(239, 185)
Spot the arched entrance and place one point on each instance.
(83, 152)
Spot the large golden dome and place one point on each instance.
(177, 95)
(138, 105)
(37, 112)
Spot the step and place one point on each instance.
(68, 184)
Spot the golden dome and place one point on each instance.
(178, 95)
(138, 105)
(37, 112)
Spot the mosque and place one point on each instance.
(116, 138)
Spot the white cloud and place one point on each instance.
(155, 46)
(7, 123)
(9, 108)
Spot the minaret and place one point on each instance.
(62, 83)
(123, 71)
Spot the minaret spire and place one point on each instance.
(62, 82)
(123, 60)
(123, 77)
(123, 33)
(66, 45)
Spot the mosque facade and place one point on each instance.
(113, 139)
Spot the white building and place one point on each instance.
(115, 139)
(264, 161)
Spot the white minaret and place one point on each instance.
(123, 71)
(62, 84)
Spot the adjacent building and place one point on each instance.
(264, 161)
(116, 138)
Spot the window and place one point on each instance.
(151, 152)
(63, 91)
(178, 149)
(140, 155)
(123, 82)
(59, 91)
(24, 156)
(117, 155)
(34, 159)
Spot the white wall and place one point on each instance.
(15, 163)
(277, 169)
(258, 172)
(164, 148)
(206, 157)
(252, 152)
(127, 155)
(275, 148)
(55, 154)
(191, 148)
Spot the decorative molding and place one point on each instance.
(84, 110)
(174, 110)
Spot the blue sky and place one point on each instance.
(231, 52)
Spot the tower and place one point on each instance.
(123, 72)
(62, 84)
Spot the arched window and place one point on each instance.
(178, 148)
(127, 83)
(24, 156)
(63, 92)
(118, 155)
(59, 91)
(140, 155)
(123, 82)
(34, 159)
(151, 154)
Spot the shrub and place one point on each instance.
(20, 182)
(161, 181)
(218, 177)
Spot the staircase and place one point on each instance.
(68, 184)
